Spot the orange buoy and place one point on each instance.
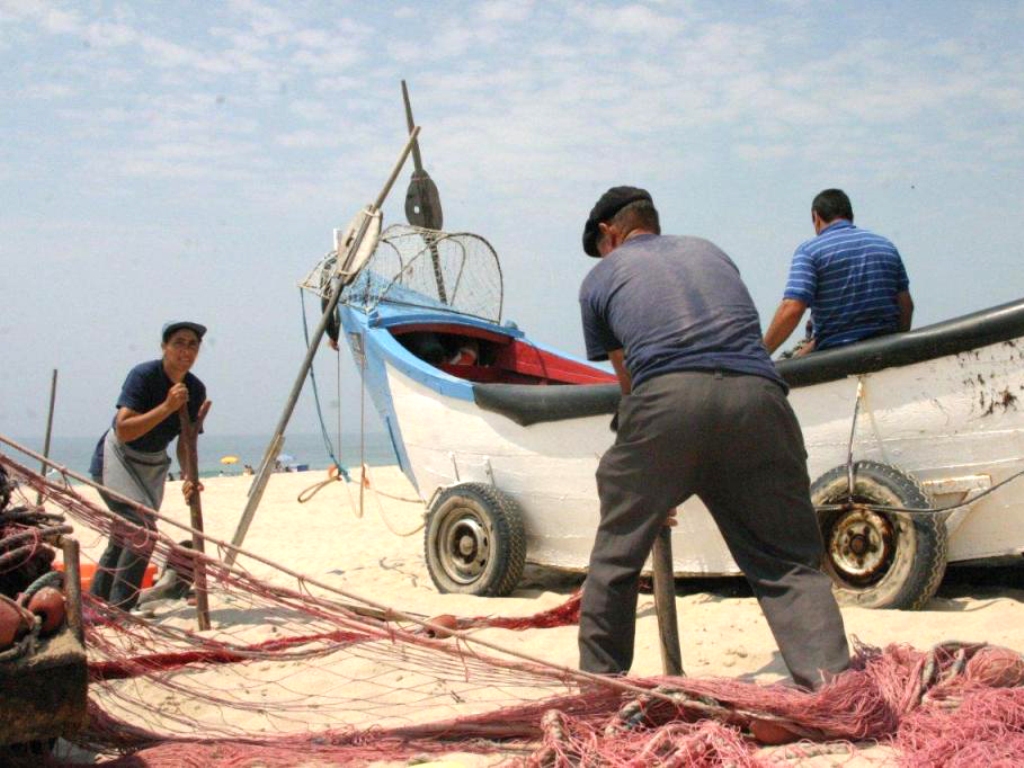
(442, 623)
(49, 604)
(771, 733)
(11, 624)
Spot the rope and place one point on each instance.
(380, 507)
(912, 511)
(49, 579)
(314, 489)
(316, 398)
(918, 511)
(308, 493)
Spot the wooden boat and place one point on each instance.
(501, 435)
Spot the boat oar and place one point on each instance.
(423, 202)
(665, 603)
(189, 441)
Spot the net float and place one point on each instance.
(11, 624)
(48, 603)
(441, 623)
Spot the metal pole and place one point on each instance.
(49, 431)
(665, 603)
(259, 483)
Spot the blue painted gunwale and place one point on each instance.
(382, 349)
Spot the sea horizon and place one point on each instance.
(227, 454)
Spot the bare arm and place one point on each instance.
(131, 425)
(787, 316)
(619, 364)
(906, 305)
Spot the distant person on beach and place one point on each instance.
(853, 280)
(703, 412)
(131, 457)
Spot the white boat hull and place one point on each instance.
(934, 420)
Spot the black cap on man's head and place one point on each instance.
(170, 328)
(611, 202)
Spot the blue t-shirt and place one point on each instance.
(144, 389)
(849, 277)
(672, 304)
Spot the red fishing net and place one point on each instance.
(298, 672)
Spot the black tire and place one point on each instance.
(880, 559)
(475, 541)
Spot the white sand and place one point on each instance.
(721, 635)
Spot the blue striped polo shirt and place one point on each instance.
(849, 277)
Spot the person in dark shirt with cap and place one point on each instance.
(131, 457)
(703, 412)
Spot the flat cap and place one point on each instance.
(610, 203)
(170, 328)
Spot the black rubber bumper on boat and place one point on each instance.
(526, 404)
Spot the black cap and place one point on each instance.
(611, 202)
(170, 328)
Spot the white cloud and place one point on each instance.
(262, 19)
(61, 22)
(633, 19)
(106, 35)
(504, 11)
(307, 139)
(47, 90)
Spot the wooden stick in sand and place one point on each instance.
(49, 431)
(665, 603)
(189, 436)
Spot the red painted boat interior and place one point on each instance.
(482, 355)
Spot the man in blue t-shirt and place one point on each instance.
(704, 413)
(131, 457)
(853, 280)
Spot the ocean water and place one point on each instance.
(306, 450)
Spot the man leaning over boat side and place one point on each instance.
(131, 457)
(703, 412)
(853, 280)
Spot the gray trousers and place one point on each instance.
(734, 441)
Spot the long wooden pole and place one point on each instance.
(49, 431)
(190, 441)
(665, 603)
(341, 277)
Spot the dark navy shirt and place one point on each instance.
(849, 277)
(144, 389)
(672, 304)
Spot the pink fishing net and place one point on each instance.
(301, 673)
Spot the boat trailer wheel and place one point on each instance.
(475, 540)
(861, 545)
(464, 546)
(879, 559)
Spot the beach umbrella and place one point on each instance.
(285, 457)
(228, 459)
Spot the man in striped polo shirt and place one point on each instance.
(853, 281)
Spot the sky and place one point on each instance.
(190, 160)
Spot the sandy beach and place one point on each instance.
(379, 555)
